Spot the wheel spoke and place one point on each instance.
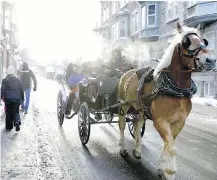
(83, 123)
(131, 127)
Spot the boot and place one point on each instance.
(17, 125)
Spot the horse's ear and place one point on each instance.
(179, 27)
(198, 27)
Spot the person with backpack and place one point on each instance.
(12, 94)
(26, 75)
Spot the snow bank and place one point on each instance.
(205, 101)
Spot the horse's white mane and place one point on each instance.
(167, 57)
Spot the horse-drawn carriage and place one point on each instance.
(95, 102)
(163, 97)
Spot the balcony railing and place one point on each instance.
(151, 34)
(201, 13)
(7, 4)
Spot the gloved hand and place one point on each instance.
(34, 89)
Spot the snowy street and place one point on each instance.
(42, 150)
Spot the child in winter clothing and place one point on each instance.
(13, 94)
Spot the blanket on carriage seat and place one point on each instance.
(74, 79)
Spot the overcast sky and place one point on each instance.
(57, 29)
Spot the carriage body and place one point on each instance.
(93, 98)
(99, 93)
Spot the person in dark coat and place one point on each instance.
(12, 93)
(26, 75)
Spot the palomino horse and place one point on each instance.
(187, 53)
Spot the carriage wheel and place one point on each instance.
(84, 123)
(60, 112)
(131, 125)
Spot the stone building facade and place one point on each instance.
(154, 24)
(8, 37)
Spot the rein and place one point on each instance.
(193, 56)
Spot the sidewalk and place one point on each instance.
(204, 106)
(205, 110)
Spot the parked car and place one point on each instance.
(50, 75)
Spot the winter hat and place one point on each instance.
(10, 70)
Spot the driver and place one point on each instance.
(119, 61)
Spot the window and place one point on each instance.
(135, 23)
(143, 16)
(209, 89)
(210, 36)
(172, 10)
(117, 6)
(114, 32)
(122, 29)
(199, 88)
(206, 89)
(7, 13)
(151, 15)
(7, 23)
(105, 14)
(113, 7)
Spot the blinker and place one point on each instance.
(202, 46)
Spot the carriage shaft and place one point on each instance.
(106, 122)
(103, 122)
(117, 105)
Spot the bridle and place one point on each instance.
(191, 54)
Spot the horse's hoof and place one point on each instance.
(124, 153)
(165, 176)
(160, 173)
(136, 154)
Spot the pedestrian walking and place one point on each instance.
(26, 75)
(12, 93)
